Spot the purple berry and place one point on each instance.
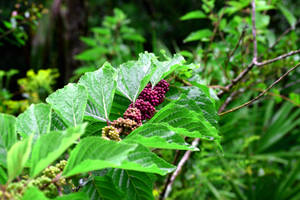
(133, 114)
(150, 95)
(162, 84)
(147, 110)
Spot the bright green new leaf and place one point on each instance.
(95, 153)
(35, 120)
(136, 185)
(69, 103)
(101, 86)
(50, 146)
(17, 157)
(202, 35)
(159, 136)
(196, 14)
(8, 135)
(133, 76)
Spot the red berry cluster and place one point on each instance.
(142, 109)
(149, 98)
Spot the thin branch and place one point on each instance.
(237, 79)
(284, 33)
(183, 160)
(280, 96)
(277, 58)
(254, 32)
(227, 101)
(261, 94)
(231, 53)
(254, 61)
(162, 194)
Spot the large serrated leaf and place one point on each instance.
(8, 135)
(199, 101)
(136, 185)
(133, 76)
(191, 123)
(56, 122)
(159, 136)
(50, 146)
(119, 106)
(102, 187)
(17, 156)
(95, 153)
(35, 120)
(69, 103)
(101, 86)
(165, 68)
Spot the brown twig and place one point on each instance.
(227, 101)
(183, 160)
(235, 48)
(277, 58)
(254, 33)
(162, 194)
(280, 96)
(261, 94)
(283, 34)
(254, 60)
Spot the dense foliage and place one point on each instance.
(87, 113)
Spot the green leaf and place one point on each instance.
(119, 106)
(95, 153)
(101, 86)
(56, 122)
(136, 185)
(202, 35)
(94, 128)
(102, 187)
(34, 121)
(3, 176)
(89, 41)
(50, 146)
(134, 37)
(199, 100)
(165, 68)
(187, 121)
(8, 135)
(158, 136)
(133, 76)
(196, 14)
(17, 157)
(288, 15)
(91, 54)
(32, 193)
(74, 196)
(69, 103)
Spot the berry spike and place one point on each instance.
(147, 110)
(133, 114)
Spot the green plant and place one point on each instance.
(34, 88)
(70, 126)
(115, 41)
